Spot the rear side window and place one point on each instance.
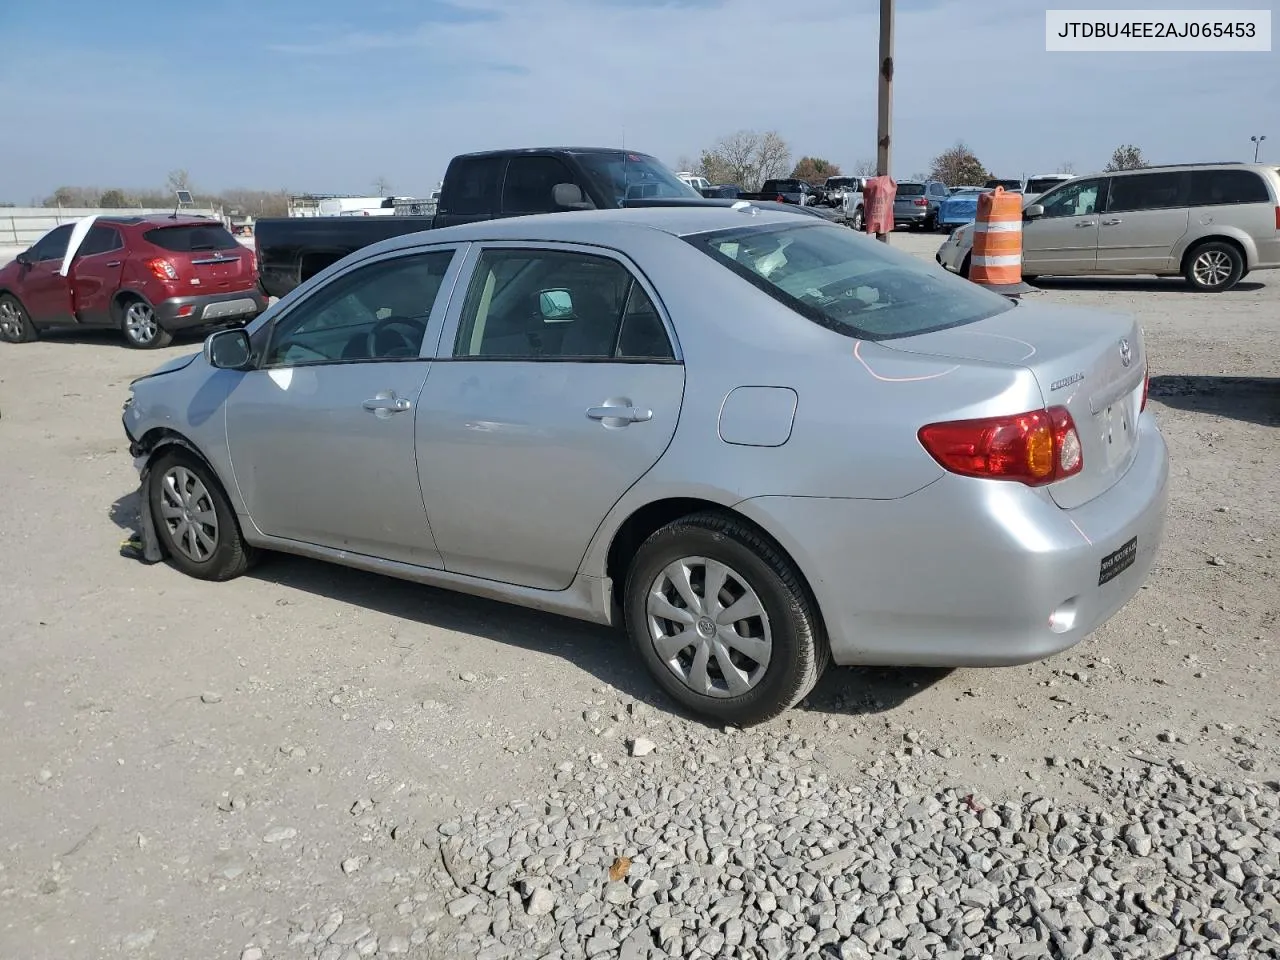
(848, 283)
(1148, 191)
(531, 182)
(1210, 187)
(192, 238)
(472, 188)
(100, 240)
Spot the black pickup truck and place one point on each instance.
(480, 186)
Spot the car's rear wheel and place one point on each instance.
(857, 219)
(141, 327)
(1214, 267)
(197, 528)
(723, 620)
(15, 322)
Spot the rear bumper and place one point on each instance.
(910, 214)
(180, 313)
(970, 572)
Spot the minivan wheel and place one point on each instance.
(1214, 267)
(15, 322)
(723, 621)
(141, 326)
(193, 519)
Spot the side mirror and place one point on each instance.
(556, 306)
(228, 350)
(1033, 210)
(570, 197)
(24, 258)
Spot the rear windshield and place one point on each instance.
(192, 237)
(1043, 184)
(835, 183)
(789, 186)
(848, 283)
(911, 190)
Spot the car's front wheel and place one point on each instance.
(194, 520)
(141, 326)
(15, 322)
(723, 621)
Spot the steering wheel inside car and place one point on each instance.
(406, 336)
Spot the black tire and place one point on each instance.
(965, 265)
(15, 322)
(141, 334)
(1213, 267)
(799, 652)
(857, 219)
(230, 556)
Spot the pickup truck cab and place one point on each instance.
(476, 187)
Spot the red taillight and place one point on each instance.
(781, 199)
(920, 202)
(1034, 448)
(162, 268)
(1146, 387)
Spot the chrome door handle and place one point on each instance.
(1086, 223)
(113, 263)
(385, 404)
(629, 414)
(1111, 223)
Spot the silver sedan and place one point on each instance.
(760, 441)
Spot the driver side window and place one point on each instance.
(375, 313)
(1075, 200)
(53, 245)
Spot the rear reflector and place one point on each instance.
(1034, 448)
(186, 311)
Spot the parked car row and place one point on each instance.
(1210, 223)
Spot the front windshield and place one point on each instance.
(634, 176)
(847, 282)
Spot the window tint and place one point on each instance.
(530, 183)
(910, 190)
(473, 187)
(848, 283)
(378, 312)
(53, 245)
(1227, 186)
(1077, 199)
(192, 238)
(1148, 191)
(556, 305)
(100, 240)
(1042, 184)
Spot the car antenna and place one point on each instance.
(183, 197)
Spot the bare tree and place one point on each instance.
(686, 163)
(382, 185)
(1066, 166)
(958, 165)
(1126, 157)
(746, 158)
(864, 168)
(178, 180)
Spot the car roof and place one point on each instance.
(522, 151)
(594, 226)
(161, 220)
(1219, 165)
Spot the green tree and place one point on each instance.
(113, 199)
(957, 166)
(1126, 157)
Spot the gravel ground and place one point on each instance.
(313, 762)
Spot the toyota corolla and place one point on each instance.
(760, 442)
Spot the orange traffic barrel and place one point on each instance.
(997, 243)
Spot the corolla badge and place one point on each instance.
(1126, 351)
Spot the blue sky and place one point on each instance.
(327, 95)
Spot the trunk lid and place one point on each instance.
(1090, 362)
(205, 254)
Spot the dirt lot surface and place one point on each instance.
(259, 768)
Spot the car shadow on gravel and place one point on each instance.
(603, 652)
(1249, 399)
(1133, 285)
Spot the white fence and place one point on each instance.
(23, 226)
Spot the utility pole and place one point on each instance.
(884, 108)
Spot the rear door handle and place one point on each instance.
(113, 263)
(1086, 223)
(386, 403)
(629, 414)
(1111, 223)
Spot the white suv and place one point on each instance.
(1211, 223)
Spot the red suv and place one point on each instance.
(149, 276)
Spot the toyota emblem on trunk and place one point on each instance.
(1126, 352)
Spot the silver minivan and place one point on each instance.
(1212, 223)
